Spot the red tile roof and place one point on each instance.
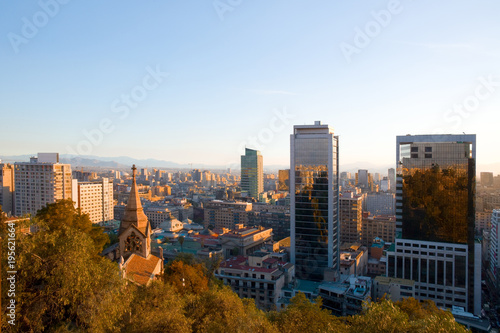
(141, 270)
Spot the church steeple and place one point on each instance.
(134, 213)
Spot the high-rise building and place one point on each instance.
(252, 173)
(41, 181)
(495, 248)
(314, 178)
(362, 178)
(391, 173)
(350, 216)
(435, 199)
(487, 178)
(95, 198)
(7, 186)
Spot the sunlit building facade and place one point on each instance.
(314, 200)
(435, 212)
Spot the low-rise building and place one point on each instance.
(345, 297)
(393, 288)
(244, 241)
(257, 276)
(221, 214)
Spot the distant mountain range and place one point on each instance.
(124, 163)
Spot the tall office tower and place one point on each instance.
(435, 199)
(487, 178)
(41, 181)
(252, 173)
(351, 217)
(95, 198)
(495, 248)
(314, 224)
(362, 178)
(7, 186)
(391, 173)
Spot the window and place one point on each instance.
(414, 155)
(414, 149)
(428, 155)
(428, 149)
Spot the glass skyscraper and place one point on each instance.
(435, 213)
(314, 200)
(252, 173)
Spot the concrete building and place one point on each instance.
(435, 210)
(244, 241)
(483, 221)
(345, 297)
(252, 173)
(381, 226)
(380, 203)
(391, 175)
(353, 259)
(486, 178)
(256, 276)
(314, 183)
(221, 214)
(41, 181)
(7, 187)
(350, 216)
(362, 179)
(95, 198)
(393, 288)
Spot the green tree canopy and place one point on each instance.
(64, 214)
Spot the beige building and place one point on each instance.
(7, 187)
(257, 276)
(222, 214)
(244, 241)
(381, 226)
(395, 289)
(351, 213)
(95, 198)
(483, 221)
(41, 181)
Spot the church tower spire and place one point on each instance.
(135, 230)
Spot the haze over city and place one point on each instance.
(197, 83)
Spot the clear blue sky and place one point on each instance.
(228, 77)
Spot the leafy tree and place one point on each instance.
(64, 214)
(221, 310)
(304, 316)
(63, 283)
(158, 308)
(186, 279)
(404, 316)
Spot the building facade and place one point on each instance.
(252, 173)
(40, 182)
(95, 198)
(314, 220)
(7, 187)
(350, 216)
(221, 214)
(435, 195)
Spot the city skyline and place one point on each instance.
(198, 73)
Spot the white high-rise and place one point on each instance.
(95, 198)
(41, 181)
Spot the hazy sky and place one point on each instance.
(196, 81)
